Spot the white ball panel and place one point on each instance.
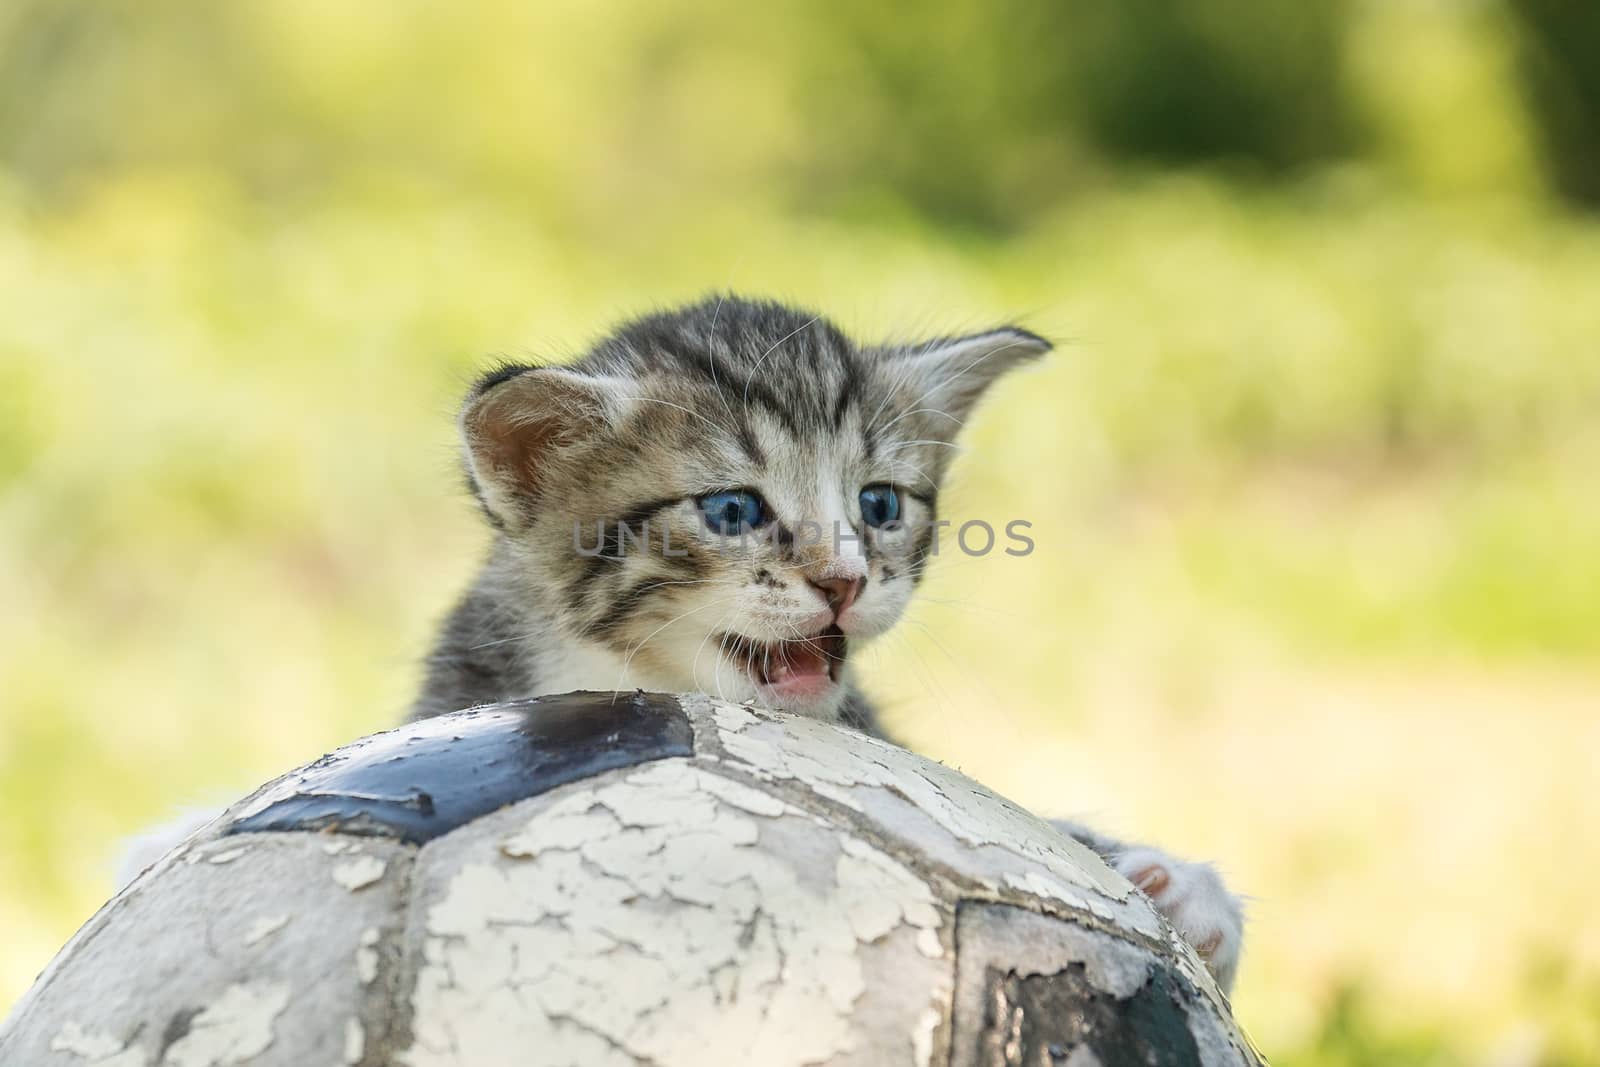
(791, 893)
(678, 917)
(236, 950)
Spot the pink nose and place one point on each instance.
(841, 592)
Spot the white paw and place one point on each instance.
(1194, 899)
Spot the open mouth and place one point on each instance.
(809, 663)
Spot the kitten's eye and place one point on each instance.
(879, 504)
(734, 511)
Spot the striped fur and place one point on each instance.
(603, 574)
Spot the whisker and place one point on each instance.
(966, 605)
(899, 464)
(634, 651)
(903, 372)
(902, 445)
(964, 666)
(757, 368)
(680, 407)
(694, 664)
(921, 411)
(711, 352)
(992, 352)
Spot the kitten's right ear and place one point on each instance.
(521, 425)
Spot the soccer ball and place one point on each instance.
(594, 879)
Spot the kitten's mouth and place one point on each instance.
(801, 667)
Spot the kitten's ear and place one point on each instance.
(520, 425)
(950, 374)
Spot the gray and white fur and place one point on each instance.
(729, 394)
(604, 575)
(606, 571)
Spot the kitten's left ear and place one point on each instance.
(952, 373)
(522, 427)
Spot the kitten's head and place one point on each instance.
(728, 497)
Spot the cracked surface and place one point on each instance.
(670, 916)
(359, 872)
(946, 816)
(779, 891)
(94, 1047)
(205, 964)
(427, 778)
(1032, 990)
(235, 1027)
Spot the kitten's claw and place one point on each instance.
(1194, 899)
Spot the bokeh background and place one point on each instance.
(1313, 476)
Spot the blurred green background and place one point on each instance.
(1313, 477)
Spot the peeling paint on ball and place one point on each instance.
(663, 881)
(595, 927)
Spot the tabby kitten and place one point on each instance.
(730, 498)
(725, 499)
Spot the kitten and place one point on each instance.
(731, 498)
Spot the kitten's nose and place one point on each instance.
(841, 592)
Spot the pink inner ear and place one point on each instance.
(516, 430)
(513, 446)
(520, 427)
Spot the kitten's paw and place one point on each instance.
(1194, 899)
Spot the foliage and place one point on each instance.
(1563, 83)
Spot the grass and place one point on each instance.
(1317, 590)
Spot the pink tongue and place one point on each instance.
(798, 660)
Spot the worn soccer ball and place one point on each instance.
(599, 880)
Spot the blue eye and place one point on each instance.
(734, 511)
(879, 504)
